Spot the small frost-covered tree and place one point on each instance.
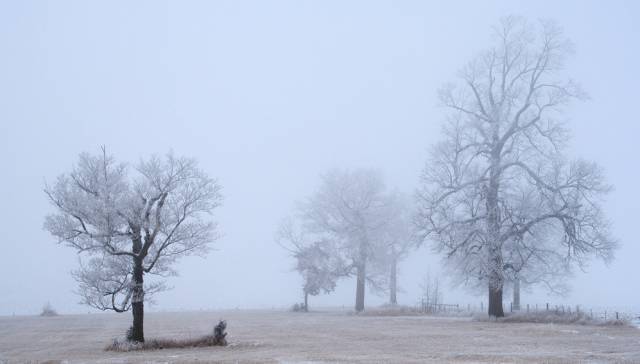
(500, 175)
(351, 210)
(317, 261)
(128, 222)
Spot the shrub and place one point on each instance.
(48, 311)
(298, 307)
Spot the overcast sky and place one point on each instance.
(268, 95)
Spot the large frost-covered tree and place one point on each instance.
(351, 210)
(128, 222)
(500, 177)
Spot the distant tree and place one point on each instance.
(351, 209)
(318, 262)
(535, 258)
(500, 175)
(398, 239)
(131, 222)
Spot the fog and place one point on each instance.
(267, 97)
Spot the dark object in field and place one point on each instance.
(299, 307)
(219, 334)
(48, 311)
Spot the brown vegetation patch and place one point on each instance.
(156, 344)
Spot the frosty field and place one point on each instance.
(277, 336)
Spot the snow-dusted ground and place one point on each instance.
(276, 336)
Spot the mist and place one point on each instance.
(268, 96)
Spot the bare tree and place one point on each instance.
(500, 173)
(398, 240)
(318, 261)
(129, 225)
(535, 258)
(351, 209)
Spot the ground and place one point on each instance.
(330, 336)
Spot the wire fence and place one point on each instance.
(628, 313)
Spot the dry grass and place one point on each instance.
(402, 310)
(156, 344)
(319, 336)
(555, 317)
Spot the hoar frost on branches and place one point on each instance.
(128, 222)
(350, 217)
(397, 241)
(498, 196)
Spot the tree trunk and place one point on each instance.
(306, 301)
(393, 282)
(495, 302)
(360, 287)
(496, 283)
(137, 303)
(516, 294)
(496, 278)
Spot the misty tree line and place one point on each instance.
(498, 199)
(352, 226)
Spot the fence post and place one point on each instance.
(617, 318)
(547, 306)
(511, 306)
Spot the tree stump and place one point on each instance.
(219, 334)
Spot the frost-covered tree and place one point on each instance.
(318, 261)
(500, 176)
(398, 239)
(351, 209)
(128, 222)
(536, 257)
